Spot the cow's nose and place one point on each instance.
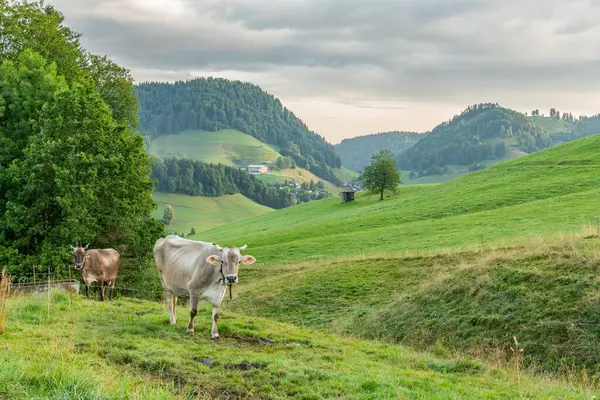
(231, 279)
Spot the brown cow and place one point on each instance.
(97, 265)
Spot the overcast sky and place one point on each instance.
(352, 67)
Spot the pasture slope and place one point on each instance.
(461, 266)
(202, 213)
(233, 148)
(228, 147)
(125, 349)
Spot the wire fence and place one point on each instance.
(282, 304)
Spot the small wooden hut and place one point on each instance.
(347, 196)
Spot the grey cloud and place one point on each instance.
(354, 49)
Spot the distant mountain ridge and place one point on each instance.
(213, 104)
(355, 153)
(481, 132)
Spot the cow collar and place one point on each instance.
(223, 281)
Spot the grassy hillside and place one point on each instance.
(301, 175)
(345, 174)
(126, 349)
(227, 147)
(440, 265)
(553, 125)
(509, 200)
(202, 213)
(544, 292)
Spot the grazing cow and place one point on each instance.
(97, 265)
(197, 270)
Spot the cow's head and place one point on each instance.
(229, 260)
(79, 254)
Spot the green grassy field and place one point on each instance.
(552, 125)
(271, 179)
(452, 250)
(510, 200)
(125, 349)
(345, 174)
(202, 213)
(229, 147)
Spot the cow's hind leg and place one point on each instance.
(172, 317)
(112, 289)
(193, 311)
(101, 290)
(215, 319)
(175, 307)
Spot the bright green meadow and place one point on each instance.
(202, 213)
(228, 147)
(126, 349)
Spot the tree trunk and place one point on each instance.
(381, 198)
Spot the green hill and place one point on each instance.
(215, 104)
(481, 132)
(463, 209)
(228, 147)
(125, 349)
(355, 153)
(553, 125)
(454, 249)
(202, 213)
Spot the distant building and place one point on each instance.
(258, 169)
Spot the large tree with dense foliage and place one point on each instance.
(72, 165)
(381, 174)
(212, 104)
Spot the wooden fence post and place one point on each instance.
(34, 275)
(70, 285)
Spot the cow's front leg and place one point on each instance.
(193, 312)
(170, 304)
(215, 319)
(87, 291)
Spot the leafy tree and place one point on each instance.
(72, 165)
(168, 215)
(381, 174)
(75, 173)
(192, 231)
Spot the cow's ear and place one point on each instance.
(247, 260)
(216, 260)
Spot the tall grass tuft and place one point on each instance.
(4, 285)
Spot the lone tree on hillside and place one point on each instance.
(381, 174)
(168, 215)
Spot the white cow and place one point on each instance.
(198, 270)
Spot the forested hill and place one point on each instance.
(481, 132)
(355, 153)
(213, 103)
